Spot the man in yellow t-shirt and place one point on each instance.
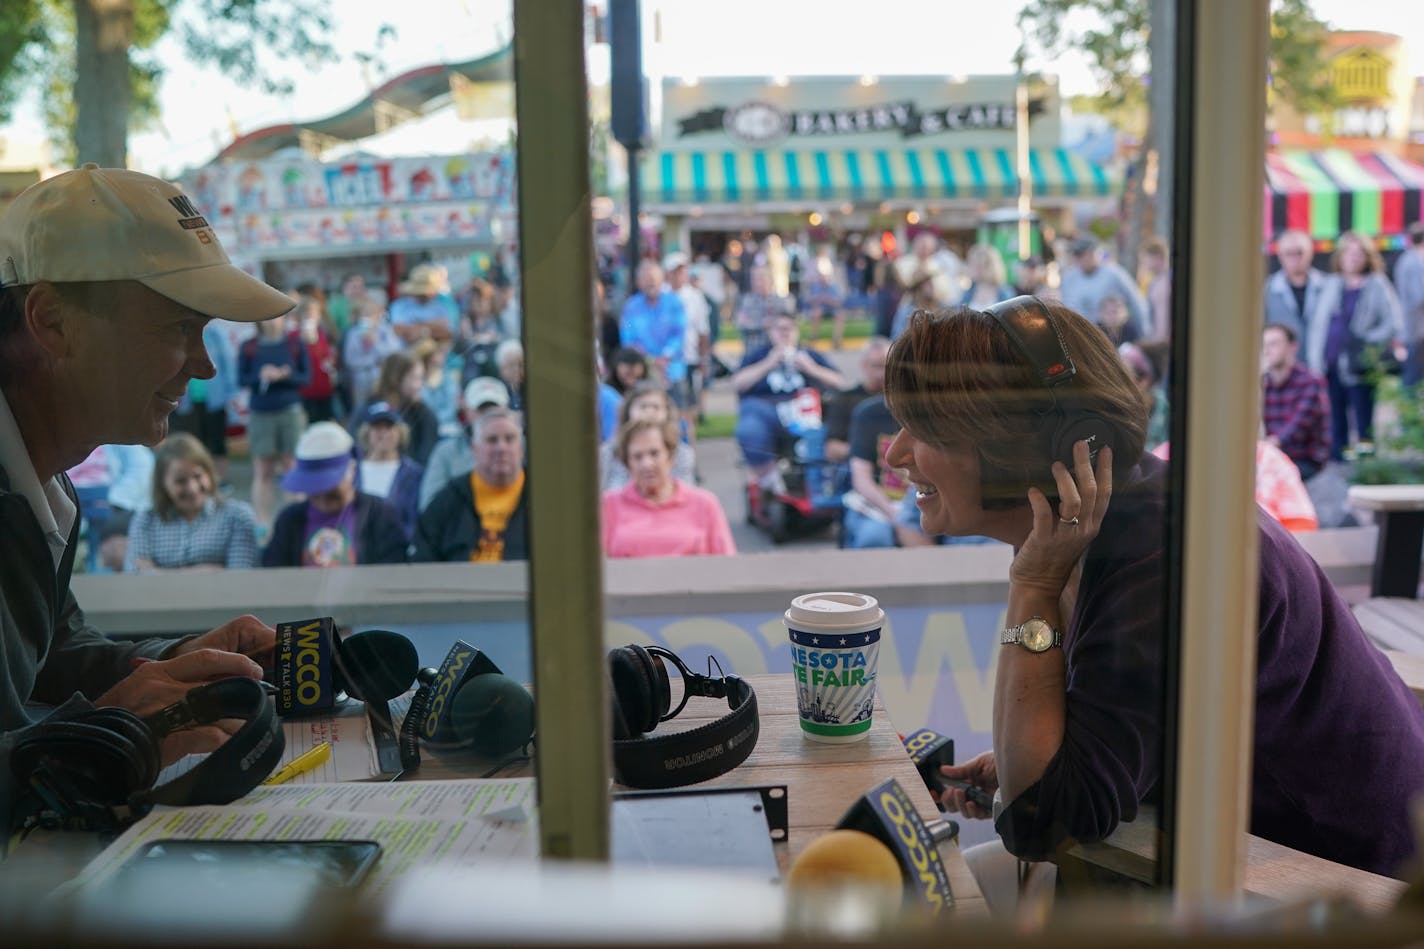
(481, 516)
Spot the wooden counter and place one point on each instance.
(823, 780)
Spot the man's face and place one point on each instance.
(1087, 260)
(677, 277)
(872, 367)
(499, 450)
(761, 281)
(650, 281)
(128, 362)
(1278, 350)
(354, 288)
(783, 332)
(1295, 259)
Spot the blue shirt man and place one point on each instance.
(655, 323)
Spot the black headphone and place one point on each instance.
(96, 771)
(1035, 334)
(642, 697)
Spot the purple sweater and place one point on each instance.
(1339, 739)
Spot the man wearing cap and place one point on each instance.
(107, 280)
(453, 456)
(481, 516)
(697, 342)
(424, 310)
(336, 525)
(1093, 279)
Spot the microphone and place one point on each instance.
(313, 666)
(462, 664)
(304, 670)
(375, 666)
(467, 702)
(493, 714)
(887, 814)
(928, 750)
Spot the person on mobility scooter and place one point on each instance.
(780, 435)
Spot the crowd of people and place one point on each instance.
(408, 381)
(359, 415)
(102, 324)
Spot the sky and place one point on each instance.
(200, 107)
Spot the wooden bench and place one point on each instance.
(1399, 513)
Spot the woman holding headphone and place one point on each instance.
(1021, 423)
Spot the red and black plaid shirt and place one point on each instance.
(1297, 413)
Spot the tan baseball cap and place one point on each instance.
(96, 223)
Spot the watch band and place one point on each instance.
(1014, 635)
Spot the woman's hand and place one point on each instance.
(1058, 539)
(980, 772)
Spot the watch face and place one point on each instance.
(1037, 636)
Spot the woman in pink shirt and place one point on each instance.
(654, 514)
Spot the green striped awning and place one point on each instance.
(681, 178)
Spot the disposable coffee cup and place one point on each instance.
(835, 643)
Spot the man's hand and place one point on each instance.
(229, 650)
(247, 635)
(155, 685)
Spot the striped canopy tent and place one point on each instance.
(1325, 193)
(677, 180)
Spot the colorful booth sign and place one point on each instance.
(1325, 193)
(290, 207)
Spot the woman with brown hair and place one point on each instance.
(401, 386)
(1350, 332)
(189, 526)
(1003, 411)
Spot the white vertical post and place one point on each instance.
(1222, 333)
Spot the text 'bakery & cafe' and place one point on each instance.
(763, 154)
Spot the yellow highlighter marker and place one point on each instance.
(301, 764)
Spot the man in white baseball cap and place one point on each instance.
(107, 278)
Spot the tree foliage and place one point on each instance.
(242, 38)
(1298, 58)
(21, 35)
(1114, 35)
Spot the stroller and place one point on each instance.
(806, 497)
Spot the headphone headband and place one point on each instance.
(1036, 335)
(677, 758)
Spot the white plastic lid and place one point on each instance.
(836, 610)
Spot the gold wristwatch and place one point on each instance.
(1034, 634)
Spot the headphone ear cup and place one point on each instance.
(640, 691)
(139, 742)
(1075, 428)
(102, 757)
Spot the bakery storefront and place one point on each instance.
(837, 154)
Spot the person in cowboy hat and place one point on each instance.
(424, 310)
(107, 280)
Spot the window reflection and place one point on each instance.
(810, 216)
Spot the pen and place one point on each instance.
(301, 764)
